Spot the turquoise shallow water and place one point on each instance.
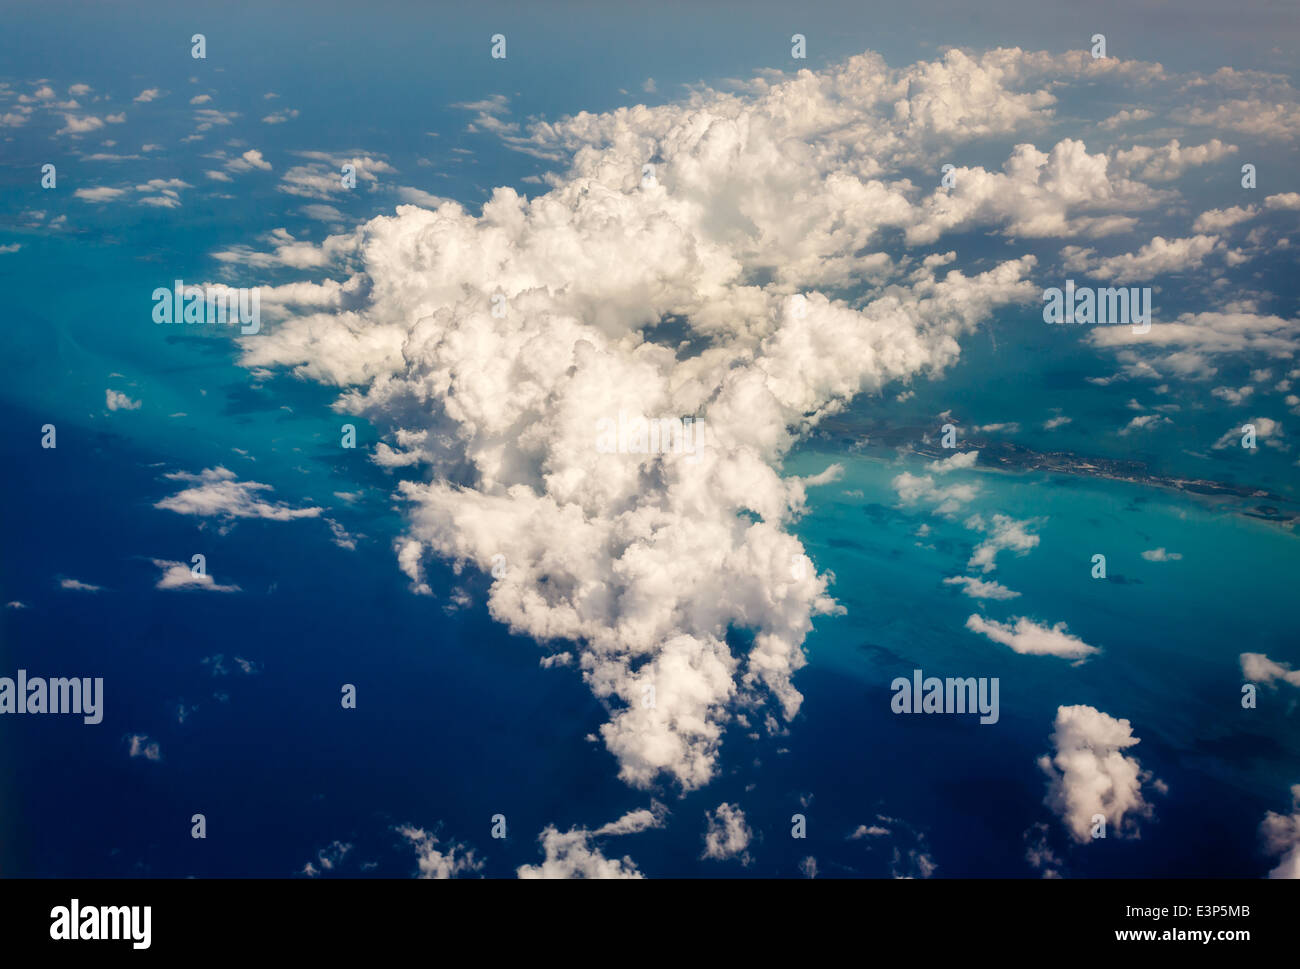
(1170, 634)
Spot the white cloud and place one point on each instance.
(449, 861)
(327, 859)
(946, 501)
(1032, 639)
(77, 585)
(979, 589)
(217, 492)
(956, 462)
(139, 745)
(177, 575)
(249, 160)
(1169, 161)
(1157, 257)
(1160, 555)
(147, 95)
(1258, 668)
(103, 194)
(572, 855)
(727, 835)
(1267, 432)
(1090, 775)
(117, 401)
(642, 562)
(1281, 836)
(1007, 534)
(1216, 220)
(1144, 422)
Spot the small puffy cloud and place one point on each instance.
(1157, 257)
(178, 575)
(726, 835)
(327, 859)
(642, 819)
(147, 95)
(921, 488)
(1006, 534)
(1258, 668)
(1029, 638)
(1144, 422)
(117, 401)
(1160, 555)
(868, 831)
(1216, 220)
(1053, 423)
(201, 99)
(102, 194)
(1089, 774)
(573, 855)
(1169, 161)
(72, 125)
(76, 585)
(216, 492)
(139, 745)
(1285, 200)
(1232, 396)
(979, 589)
(248, 161)
(956, 462)
(1280, 834)
(448, 861)
(1267, 431)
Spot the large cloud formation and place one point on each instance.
(720, 258)
(1089, 775)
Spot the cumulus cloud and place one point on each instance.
(101, 194)
(1157, 257)
(1258, 668)
(1216, 220)
(979, 589)
(1281, 836)
(217, 492)
(1144, 422)
(946, 501)
(573, 854)
(76, 585)
(1267, 431)
(117, 401)
(1029, 638)
(645, 561)
(1089, 774)
(327, 859)
(1005, 534)
(249, 160)
(1168, 162)
(1160, 555)
(139, 745)
(956, 462)
(727, 835)
(178, 575)
(448, 861)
